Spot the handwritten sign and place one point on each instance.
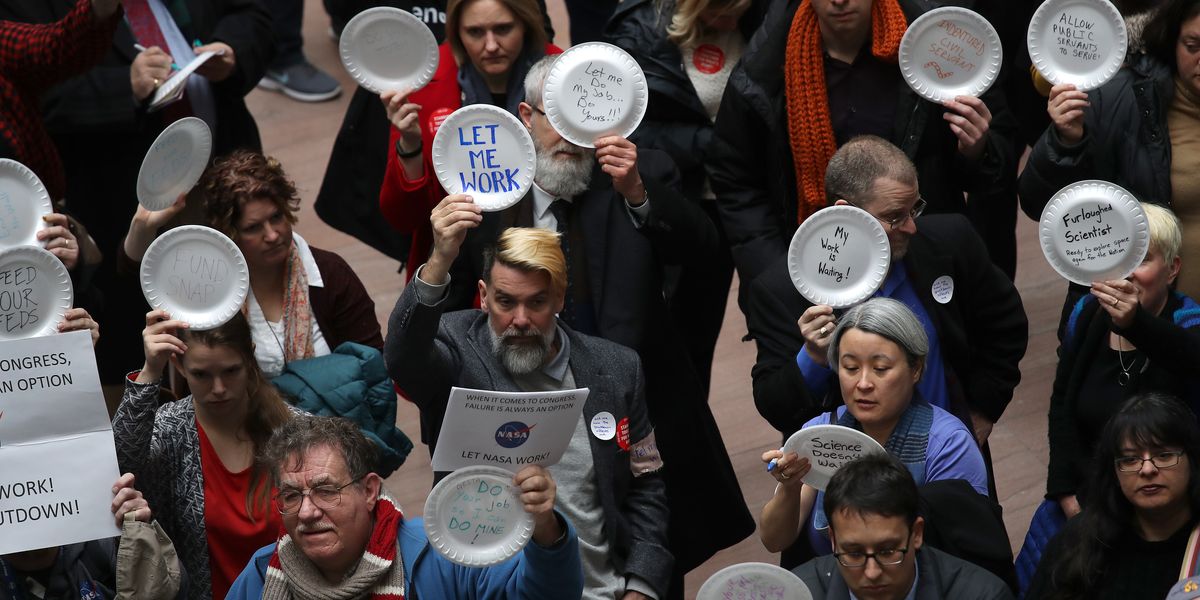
(484, 151)
(1089, 237)
(57, 458)
(195, 273)
(171, 160)
(481, 511)
(838, 256)
(1074, 35)
(828, 447)
(21, 297)
(173, 163)
(506, 429)
(948, 52)
(385, 48)
(10, 219)
(35, 291)
(595, 90)
(599, 95)
(753, 581)
(955, 49)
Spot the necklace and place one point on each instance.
(1126, 374)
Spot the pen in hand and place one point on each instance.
(141, 48)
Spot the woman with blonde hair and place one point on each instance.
(688, 48)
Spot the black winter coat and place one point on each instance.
(750, 160)
(1125, 141)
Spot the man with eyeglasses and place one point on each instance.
(347, 539)
(878, 542)
(971, 312)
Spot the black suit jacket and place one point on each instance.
(625, 265)
(982, 329)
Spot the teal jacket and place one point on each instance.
(536, 573)
(352, 382)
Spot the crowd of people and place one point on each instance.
(243, 447)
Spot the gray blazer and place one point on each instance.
(428, 352)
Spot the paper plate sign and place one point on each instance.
(23, 203)
(174, 163)
(828, 447)
(475, 518)
(1081, 42)
(385, 48)
(593, 90)
(754, 581)
(1094, 231)
(486, 152)
(35, 292)
(839, 256)
(950, 52)
(196, 274)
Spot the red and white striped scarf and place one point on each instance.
(379, 574)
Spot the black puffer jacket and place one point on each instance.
(1125, 141)
(750, 160)
(675, 121)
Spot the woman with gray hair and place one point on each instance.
(878, 350)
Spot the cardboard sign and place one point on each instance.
(57, 458)
(506, 429)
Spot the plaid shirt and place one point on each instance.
(33, 58)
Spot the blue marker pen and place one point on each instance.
(196, 43)
(771, 465)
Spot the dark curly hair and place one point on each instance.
(240, 177)
(1161, 34)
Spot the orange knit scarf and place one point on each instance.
(810, 128)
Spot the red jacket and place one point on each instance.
(406, 203)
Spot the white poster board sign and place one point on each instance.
(57, 458)
(506, 429)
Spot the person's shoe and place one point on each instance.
(302, 81)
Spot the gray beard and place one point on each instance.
(562, 177)
(521, 359)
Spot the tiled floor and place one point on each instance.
(301, 135)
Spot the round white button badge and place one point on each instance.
(604, 426)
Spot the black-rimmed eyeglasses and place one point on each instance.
(884, 558)
(325, 497)
(1162, 460)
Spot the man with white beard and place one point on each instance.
(609, 486)
(621, 218)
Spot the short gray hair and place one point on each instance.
(303, 433)
(859, 163)
(887, 318)
(535, 79)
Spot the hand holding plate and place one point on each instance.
(145, 225)
(127, 499)
(1066, 106)
(788, 469)
(78, 319)
(59, 240)
(403, 115)
(969, 119)
(451, 219)
(816, 325)
(618, 157)
(219, 67)
(1119, 298)
(150, 68)
(159, 344)
(537, 498)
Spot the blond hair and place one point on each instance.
(530, 250)
(1165, 234)
(686, 28)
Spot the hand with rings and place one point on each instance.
(59, 239)
(787, 469)
(1119, 298)
(816, 325)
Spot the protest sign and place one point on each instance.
(506, 429)
(57, 458)
(486, 152)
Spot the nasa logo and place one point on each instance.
(512, 434)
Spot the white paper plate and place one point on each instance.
(754, 581)
(950, 52)
(386, 48)
(1082, 42)
(23, 203)
(174, 163)
(35, 292)
(1094, 231)
(484, 151)
(593, 90)
(839, 256)
(828, 447)
(475, 518)
(196, 274)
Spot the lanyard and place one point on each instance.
(11, 581)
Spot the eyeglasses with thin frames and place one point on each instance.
(884, 558)
(916, 211)
(1162, 460)
(325, 497)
